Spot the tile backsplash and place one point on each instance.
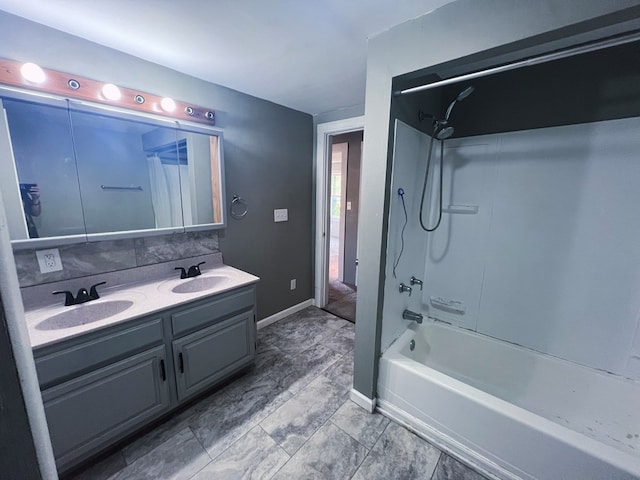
(84, 259)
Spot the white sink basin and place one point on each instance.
(85, 313)
(199, 284)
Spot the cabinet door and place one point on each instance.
(208, 355)
(88, 412)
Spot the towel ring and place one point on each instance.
(238, 207)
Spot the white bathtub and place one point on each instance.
(510, 411)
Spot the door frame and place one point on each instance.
(323, 164)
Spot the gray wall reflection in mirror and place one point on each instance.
(99, 174)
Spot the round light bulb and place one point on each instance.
(111, 92)
(167, 104)
(33, 73)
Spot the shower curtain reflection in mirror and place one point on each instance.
(161, 183)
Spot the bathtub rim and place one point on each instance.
(589, 446)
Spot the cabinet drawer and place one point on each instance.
(86, 413)
(88, 355)
(192, 318)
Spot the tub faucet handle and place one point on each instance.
(405, 288)
(416, 281)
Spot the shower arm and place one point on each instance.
(449, 110)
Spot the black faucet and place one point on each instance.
(82, 297)
(194, 271)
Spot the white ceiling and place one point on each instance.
(309, 55)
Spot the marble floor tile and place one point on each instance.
(399, 453)
(254, 456)
(298, 419)
(272, 360)
(299, 338)
(301, 330)
(174, 424)
(102, 469)
(340, 373)
(305, 367)
(322, 317)
(342, 341)
(361, 425)
(219, 427)
(329, 454)
(267, 337)
(178, 458)
(450, 469)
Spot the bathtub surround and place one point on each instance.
(468, 37)
(555, 224)
(487, 35)
(268, 154)
(538, 251)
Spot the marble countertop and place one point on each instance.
(121, 303)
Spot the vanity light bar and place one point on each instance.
(32, 77)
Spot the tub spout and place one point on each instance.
(413, 316)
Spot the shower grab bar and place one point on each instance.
(464, 209)
(453, 306)
(132, 187)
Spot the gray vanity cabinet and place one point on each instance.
(212, 339)
(101, 386)
(208, 355)
(87, 412)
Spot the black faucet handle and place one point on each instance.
(183, 272)
(82, 296)
(194, 270)
(68, 299)
(93, 293)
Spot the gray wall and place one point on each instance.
(497, 28)
(268, 153)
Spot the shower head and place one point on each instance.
(444, 132)
(461, 96)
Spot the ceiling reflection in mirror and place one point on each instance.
(78, 172)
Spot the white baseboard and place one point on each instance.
(369, 404)
(284, 313)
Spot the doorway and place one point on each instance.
(340, 156)
(325, 132)
(344, 195)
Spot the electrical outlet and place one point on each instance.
(49, 260)
(280, 215)
(293, 284)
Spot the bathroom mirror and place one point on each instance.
(81, 172)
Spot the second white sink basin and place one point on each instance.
(199, 284)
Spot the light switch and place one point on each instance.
(49, 260)
(348, 205)
(280, 215)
